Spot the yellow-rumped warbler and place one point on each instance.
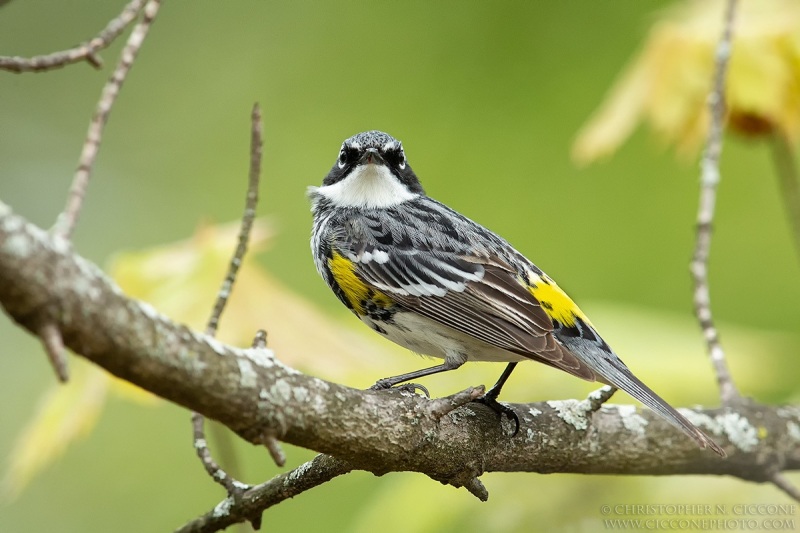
(437, 283)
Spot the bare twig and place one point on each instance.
(256, 150)
(234, 487)
(709, 180)
(86, 51)
(783, 156)
(54, 346)
(224, 448)
(780, 481)
(67, 220)
(259, 498)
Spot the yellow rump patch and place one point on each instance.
(355, 290)
(554, 301)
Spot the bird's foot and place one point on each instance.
(501, 409)
(385, 384)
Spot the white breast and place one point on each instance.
(372, 186)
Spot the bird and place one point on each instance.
(433, 281)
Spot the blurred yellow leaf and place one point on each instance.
(668, 83)
(181, 280)
(64, 414)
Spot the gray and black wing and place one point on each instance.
(486, 298)
(482, 297)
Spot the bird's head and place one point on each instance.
(371, 171)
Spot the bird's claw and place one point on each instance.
(413, 388)
(407, 387)
(501, 409)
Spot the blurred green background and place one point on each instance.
(487, 98)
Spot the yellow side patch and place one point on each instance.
(554, 301)
(355, 290)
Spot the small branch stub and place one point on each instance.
(54, 347)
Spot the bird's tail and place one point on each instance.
(613, 371)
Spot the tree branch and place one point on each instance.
(255, 395)
(83, 52)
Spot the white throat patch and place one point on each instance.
(367, 186)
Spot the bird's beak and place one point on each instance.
(371, 155)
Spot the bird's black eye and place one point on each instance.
(342, 158)
(394, 154)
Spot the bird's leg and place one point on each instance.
(388, 383)
(490, 398)
(494, 392)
